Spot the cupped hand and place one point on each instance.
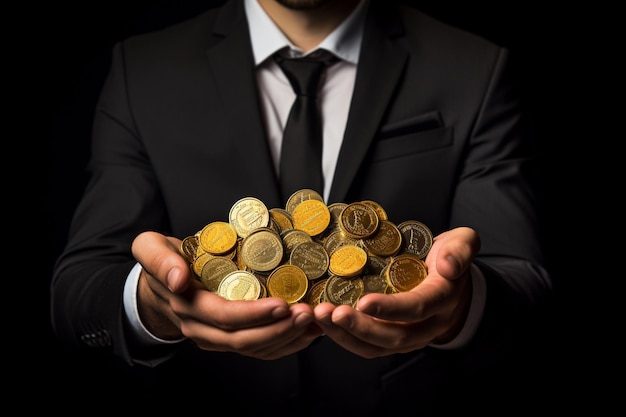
(173, 304)
(433, 311)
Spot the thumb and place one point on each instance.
(454, 251)
(449, 267)
(177, 279)
(159, 257)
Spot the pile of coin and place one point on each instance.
(308, 251)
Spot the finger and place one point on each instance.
(422, 302)
(160, 257)
(230, 315)
(265, 339)
(370, 337)
(247, 344)
(160, 289)
(294, 341)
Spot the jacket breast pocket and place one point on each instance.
(417, 134)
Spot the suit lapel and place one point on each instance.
(236, 83)
(232, 64)
(379, 70)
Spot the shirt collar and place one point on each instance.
(267, 38)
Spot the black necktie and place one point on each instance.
(301, 152)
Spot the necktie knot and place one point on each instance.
(305, 73)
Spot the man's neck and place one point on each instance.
(307, 28)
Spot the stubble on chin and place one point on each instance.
(301, 4)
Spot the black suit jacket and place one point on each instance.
(435, 133)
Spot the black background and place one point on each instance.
(65, 59)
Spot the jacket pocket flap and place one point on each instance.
(421, 122)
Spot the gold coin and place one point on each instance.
(274, 226)
(390, 290)
(358, 221)
(333, 226)
(343, 291)
(200, 251)
(347, 261)
(380, 211)
(374, 283)
(233, 252)
(417, 238)
(218, 237)
(237, 258)
(214, 270)
(292, 238)
(336, 239)
(262, 250)
(189, 247)
(405, 272)
(301, 195)
(312, 216)
(199, 262)
(262, 277)
(335, 210)
(287, 282)
(247, 214)
(282, 219)
(239, 285)
(311, 257)
(375, 265)
(387, 240)
(315, 294)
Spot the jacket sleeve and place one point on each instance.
(119, 202)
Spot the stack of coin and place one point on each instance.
(308, 251)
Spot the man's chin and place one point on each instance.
(301, 4)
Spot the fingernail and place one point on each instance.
(303, 319)
(173, 278)
(325, 320)
(280, 312)
(344, 321)
(455, 264)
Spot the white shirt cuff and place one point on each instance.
(132, 311)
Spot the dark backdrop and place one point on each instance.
(70, 57)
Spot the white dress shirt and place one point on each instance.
(336, 87)
(277, 97)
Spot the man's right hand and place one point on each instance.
(172, 304)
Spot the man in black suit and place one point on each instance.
(421, 117)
